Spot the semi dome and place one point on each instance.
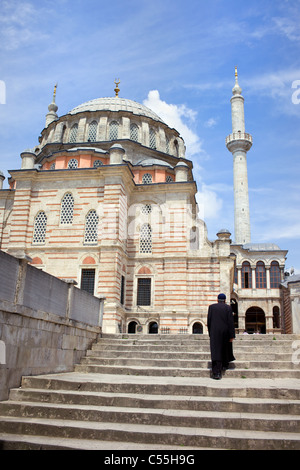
(116, 104)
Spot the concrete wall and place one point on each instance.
(46, 325)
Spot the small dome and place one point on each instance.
(116, 104)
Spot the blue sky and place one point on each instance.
(178, 57)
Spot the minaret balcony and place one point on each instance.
(239, 140)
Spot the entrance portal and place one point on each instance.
(132, 327)
(153, 328)
(197, 329)
(255, 320)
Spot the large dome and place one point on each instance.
(116, 104)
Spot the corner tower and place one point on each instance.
(238, 143)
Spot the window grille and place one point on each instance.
(260, 275)
(67, 208)
(147, 178)
(92, 136)
(275, 277)
(73, 133)
(88, 280)
(246, 275)
(40, 225)
(169, 179)
(91, 227)
(146, 239)
(52, 166)
(72, 164)
(97, 163)
(152, 139)
(147, 209)
(113, 130)
(144, 291)
(134, 132)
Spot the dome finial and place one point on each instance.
(236, 90)
(51, 115)
(117, 89)
(54, 93)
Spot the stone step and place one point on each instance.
(162, 354)
(149, 416)
(185, 363)
(151, 434)
(194, 387)
(31, 442)
(194, 337)
(184, 372)
(142, 400)
(155, 390)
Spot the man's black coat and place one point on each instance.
(220, 328)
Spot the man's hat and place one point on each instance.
(221, 297)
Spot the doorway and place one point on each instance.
(132, 327)
(153, 328)
(255, 321)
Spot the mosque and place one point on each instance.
(107, 199)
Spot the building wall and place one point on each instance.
(46, 325)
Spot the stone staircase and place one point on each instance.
(155, 392)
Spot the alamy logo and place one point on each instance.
(296, 94)
(2, 353)
(2, 92)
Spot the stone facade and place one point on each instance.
(107, 199)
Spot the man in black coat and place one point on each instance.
(221, 333)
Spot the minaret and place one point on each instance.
(51, 116)
(238, 143)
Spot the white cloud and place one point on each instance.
(209, 204)
(19, 24)
(289, 26)
(178, 117)
(210, 122)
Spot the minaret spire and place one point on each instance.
(52, 116)
(238, 143)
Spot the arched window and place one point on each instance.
(52, 166)
(276, 317)
(260, 275)
(40, 225)
(113, 130)
(246, 275)
(146, 239)
(92, 132)
(91, 227)
(72, 164)
(275, 277)
(134, 132)
(152, 139)
(147, 178)
(73, 133)
(97, 163)
(67, 208)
